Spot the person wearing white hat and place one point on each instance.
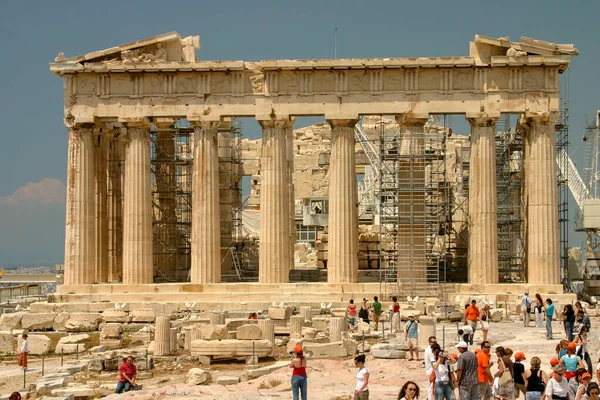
(466, 373)
(411, 334)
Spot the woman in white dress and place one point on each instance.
(539, 305)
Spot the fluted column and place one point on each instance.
(543, 254)
(342, 262)
(412, 218)
(291, 198)
(80, 232)
(275, 259)
(115, 209)
(206, 224)
(137, 207)
(162, 336)
(100, 175)
(483, 205)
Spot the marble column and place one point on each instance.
(412, 236)
(483, 205)
(162, 336)
(543, 253)
(80, 233)
(206, 224)
(336, 327)
(275, 259)
(100, 176)
(268, 331)
(342, 263)
(115, 209)
(291, 195)
(137, 207)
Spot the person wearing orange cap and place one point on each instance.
(299, 382)
(584, 382)
(571, 361)
(518, 372)
(535, 379)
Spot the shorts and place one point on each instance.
(412, 341)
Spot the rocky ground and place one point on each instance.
(328, 378)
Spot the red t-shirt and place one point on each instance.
(127, 369)
(483, 362)
(352, 310)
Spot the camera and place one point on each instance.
(443, 354)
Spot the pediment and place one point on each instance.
(168, 47)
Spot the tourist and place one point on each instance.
(411, 335)
(538, 308)
(549, 316)
(127, 373)
(598, 371)
(535, 380)
(582, 320)
(395, 314)
(581, 341)
(571, 361)
(586, 379)
(575, 381)
(579, 307)
(472, 317)
(299, 382)
(430, 359)
(506, 385)
(466, 373)
(376, 306)
(464, 333)
(557, 387)
(363, 313)
(441, 368)
(15, 396)
(593, 391)
(351, 314)
(484, 376)
(24, 352)
(518, 372)
(485, 318)
(561, 348)
(253, 316)
(409, 391)
(526, 308)
(569, 321)
(361, 390)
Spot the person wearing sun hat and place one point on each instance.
(571, 361)
(299, 382)
(466, 373)
(518, 371)
(585, 380)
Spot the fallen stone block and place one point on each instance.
(45, 386)
(140, 338)
(114, 315)
(74, 343)
(231, 348)
(111, 344)
(72, 368)
(248, 332)
(143, 315)
(83, 322)
(111, 330)
(10, 321)
(95, 365)
(213, 332)
(7, 343)
(363, 327)
(280, 313)
(309, 333)
(76, 392)
(227, 380)
(326, 350)
(198, 376)
(60, 321)
(389, 350)
(65, 397)
(38, 321)
(254, 372)
(497, 315)
(234, 323)
(38, 344)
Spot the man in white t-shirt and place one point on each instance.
(430, 359)
(464, 333)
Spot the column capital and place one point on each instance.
(280, 121)
(412, 119)
(540, 118)
(482, 119)
(344, 121)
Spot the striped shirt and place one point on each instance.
(467, 363)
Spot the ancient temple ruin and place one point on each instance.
(156, 156)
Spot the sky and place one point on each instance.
(33, 139)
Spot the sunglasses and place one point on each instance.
(414, 389)
(591, 393)
(487, 347)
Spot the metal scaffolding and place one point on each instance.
(171, 162)
(509, 181)
(412, 209)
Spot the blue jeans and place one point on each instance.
(123, 387)
(534, 395)
(299, 383)
(442, 390)
(548, 327)
(569, 328)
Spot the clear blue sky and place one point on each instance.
(33, 140)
